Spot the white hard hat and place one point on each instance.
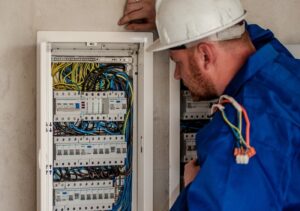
(183, 21)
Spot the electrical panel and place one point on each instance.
(91, 100)
(194, 115)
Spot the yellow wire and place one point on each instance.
(125, 121)
(233, 126)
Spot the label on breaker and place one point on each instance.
(115, 105)
(68, 106)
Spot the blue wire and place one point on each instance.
(125, 197)
(72, 126)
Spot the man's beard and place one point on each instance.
(201, 86)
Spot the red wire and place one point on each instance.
(247, 126)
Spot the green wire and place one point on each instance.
(233, 127)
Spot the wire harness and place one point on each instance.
(243, 151)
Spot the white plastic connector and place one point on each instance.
(242, 159)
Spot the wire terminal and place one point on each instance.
(242, 159)
(242, 156)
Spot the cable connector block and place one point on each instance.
(242, 159)
(242, 156)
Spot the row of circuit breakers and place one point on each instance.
(194, 115)
(71, 106)
(92, 134)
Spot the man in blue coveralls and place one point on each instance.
(217, 53)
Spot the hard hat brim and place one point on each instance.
(158, 46)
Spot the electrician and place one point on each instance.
(216, 52)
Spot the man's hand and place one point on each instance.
(139, 15)
(191, 169)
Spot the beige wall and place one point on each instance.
(282, 17)
(20, 20)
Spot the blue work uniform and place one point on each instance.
(268, 86)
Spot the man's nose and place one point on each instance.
(177, 73)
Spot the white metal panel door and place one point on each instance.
(44, 128)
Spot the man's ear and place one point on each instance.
(205, 54)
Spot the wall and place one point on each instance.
(282, 17)
(20, 20)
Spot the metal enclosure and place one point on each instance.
(69, 104)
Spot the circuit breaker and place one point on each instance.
(94, 137)
(193, 109)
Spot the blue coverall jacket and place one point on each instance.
(268, 86)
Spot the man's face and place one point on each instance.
(196, 80)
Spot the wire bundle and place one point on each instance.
(70, 76)
(87, 173)
(87, 128)
(242, 151)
